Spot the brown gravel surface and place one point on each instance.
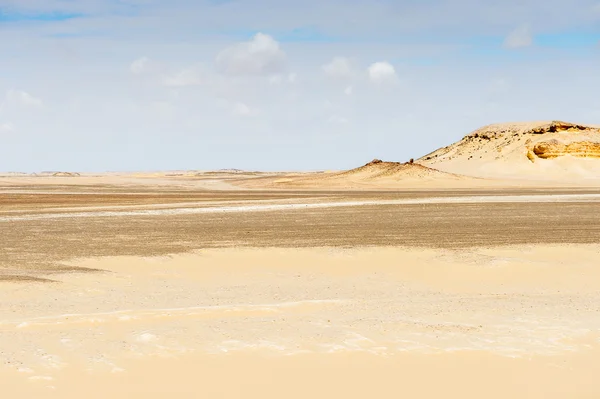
(34, 249)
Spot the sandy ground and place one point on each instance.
(133, 291)
(221, 321)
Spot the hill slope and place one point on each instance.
(376, 174)
(377, 170)
(547, 150)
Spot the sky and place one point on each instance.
(126, 85)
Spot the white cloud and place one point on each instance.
(163, 109)
(259, 56)
(338, 120)
(276, 80)
(279, 79)
(187, 77)
(339, 67)
(22, 98)
(382, 73)
(238, 108)
(349, 91)
(140, 65)
(145, 66)
(7, 128)
(242, 110)
(518, 38)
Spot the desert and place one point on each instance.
(423, 278)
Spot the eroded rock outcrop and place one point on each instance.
(558, 126)
(555, 149)
(524, 140)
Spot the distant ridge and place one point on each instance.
(378, 169)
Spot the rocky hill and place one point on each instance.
(521, 149)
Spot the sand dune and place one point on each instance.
(529, 150)
(380, 170)
(379, 173)
(376, 174)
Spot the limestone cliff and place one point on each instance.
(554, 149)
(542, 139)
(546, 149)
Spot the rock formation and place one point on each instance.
(543, 149)
(555, 149)
(538, 139)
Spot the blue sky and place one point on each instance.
(8, 15)
(97, 85)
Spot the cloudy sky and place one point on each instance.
(116, 85)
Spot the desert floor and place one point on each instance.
(122, 288)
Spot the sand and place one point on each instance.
(336, 375)
(385, 321)
(110, 288)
